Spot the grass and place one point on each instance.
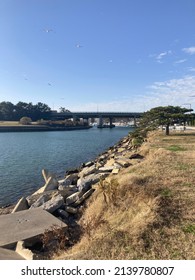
(147, 210)
(175, 148)
(13, 123)
(189, 228)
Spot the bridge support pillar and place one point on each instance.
(85, 121)
(100, 124)
(110, 121)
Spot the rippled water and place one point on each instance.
(23, 155)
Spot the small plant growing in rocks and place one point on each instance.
(110, 191)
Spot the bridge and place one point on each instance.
(100, 115)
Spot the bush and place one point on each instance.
(25, 120)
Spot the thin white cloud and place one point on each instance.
(180, 61)
(173, 92)
(190, 50)
(191, 69)
(159, 57)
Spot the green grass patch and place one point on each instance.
(175, 148)
(166, 192)
(183, 167)
(189, 228)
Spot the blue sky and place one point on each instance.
(105, 55)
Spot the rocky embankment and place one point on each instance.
(63, 198)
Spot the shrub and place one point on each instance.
(25, 120)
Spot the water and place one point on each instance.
(23, 155)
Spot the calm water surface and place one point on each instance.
(23, 155)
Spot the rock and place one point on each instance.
(71, 210)
(118, 166)
(136, 156)
(89, 163)
(70, 179)
(106, 169)
(37, 199)
(87, 171)
(35, 196)
(62, 213)
(50, 185)
(79, 201)
(70, 191)
(120, 150)
(39, 191)
(88, 193)
(24, 252)
(115, 171)
(110, 162)
(21, 205)
(123, 162)
(53, 204)
(72, 188)
(72, 171)
(85, 183)
(72, 198)
(46, 175)
(82, 198)
(102, 157)
(41, 200)
(99, 164)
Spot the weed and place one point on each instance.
(189, 228)
(110, 191)
(54, 236)
(137, 141)
(166, 192)
(182, 166)
(175, 148)
(93, 223)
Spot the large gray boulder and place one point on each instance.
(106, 169)
(22, 204)
(71, 210)
(37, 199)
(83, 197)
(42, 199)
(53, 204)
(85, 183)
(87, 171)
(72, 198)
(50, 180)
(70, 179)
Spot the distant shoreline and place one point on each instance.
(41, 128)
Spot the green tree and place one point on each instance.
(22, 109)
(7, 111)
(165, 116)
(41, 111)
(64, 110)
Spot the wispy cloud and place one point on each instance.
(190, 50)
(172, 92)
(163, 93)
(180, 61)
(159, 57)
(191, 69)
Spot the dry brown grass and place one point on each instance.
(147, 211)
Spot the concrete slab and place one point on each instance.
(25, 225)
(6, 254)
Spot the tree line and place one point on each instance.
(11, 112)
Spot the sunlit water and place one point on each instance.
(23, 155)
